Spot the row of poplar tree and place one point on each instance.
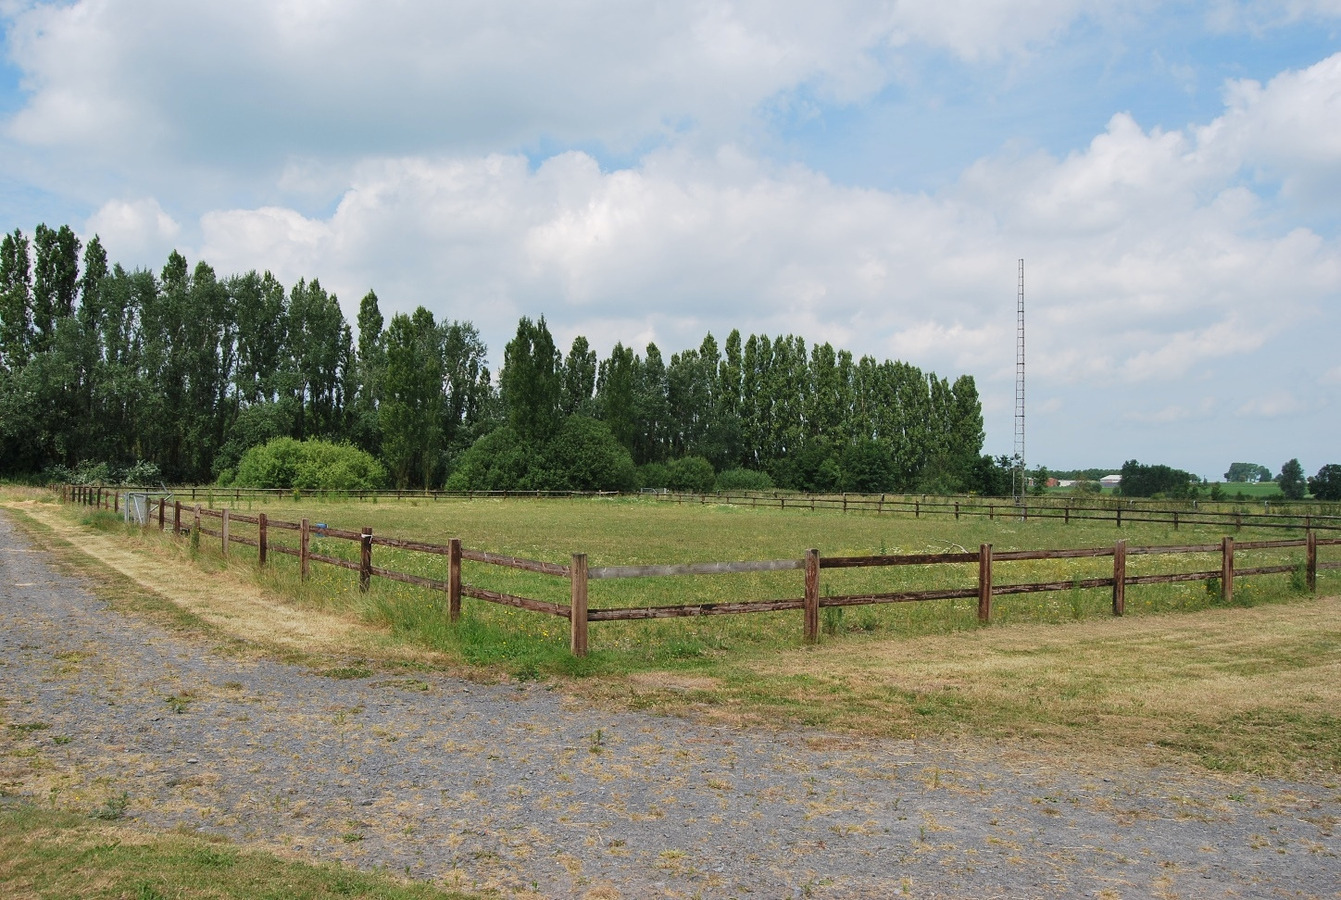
(186, 370)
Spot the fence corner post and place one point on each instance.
(1227, 569)
(262, 539)
(454, 580)
(1119, 578)
(577, 612)
(1311, 561)
(365, 559)
(812, 596)
(984, 584)
(304, 542)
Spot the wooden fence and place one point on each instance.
(186, 520)
(1119, 512)
(1067, 509)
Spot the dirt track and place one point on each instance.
(518, 788)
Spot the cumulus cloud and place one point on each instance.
(133, 228)
(303, 77)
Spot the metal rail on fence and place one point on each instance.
(579, 574)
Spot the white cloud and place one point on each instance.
(1272, 405)
(133, 228)
(334, 78)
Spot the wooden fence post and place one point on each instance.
(176, 518)
(1067, 520)
(365, 560)
(577, 610)
(1227, 569)
(116, 503)
(223, 529)
(161, 502)
(262, 539)
(1119, 517)
(812, 596)
(304, 540)
(1311, 561)
(1119, 578)
(956, 510)
(985, 583)
(454, 580)
(1175, 520)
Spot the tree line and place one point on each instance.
(183, 372)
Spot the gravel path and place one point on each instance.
(519, 789)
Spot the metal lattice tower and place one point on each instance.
(1018, 470)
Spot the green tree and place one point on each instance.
(1250, 473)
(579, 379)
(1326, 485)
(531, 382)
(16, 314)
(1291, 480)
(410, 414)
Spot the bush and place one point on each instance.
(584, 456)
(693, 474)
(744, 480)
(498, 461)
(654, 476)
(309, 465)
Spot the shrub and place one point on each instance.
(310, 465)
(584, 456)
(498, 461)
(693, 474)
(744, 480)
(653, 475)
(1326, 485)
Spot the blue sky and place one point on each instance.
(865, 173)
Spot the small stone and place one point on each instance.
(191, 760)
(368, 802)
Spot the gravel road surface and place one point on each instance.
(517, 788)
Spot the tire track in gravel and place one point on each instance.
(519, 789)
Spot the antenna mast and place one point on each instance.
(1018, 472)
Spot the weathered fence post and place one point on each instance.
(956, 510)
(1119, 578)
(812, 596)
(223, 529)
(365, 560)
(917, 509)
(577, 610)
(304, 542)
(1119, 517)
(1067, 518)
(176, 518)
(116, 503)
(1175, 520)
(262, 539)
(985, 583)
(454, 580)
(1227, 569)
(1311, 561)
(161, 502)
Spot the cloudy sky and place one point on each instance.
(865, 173)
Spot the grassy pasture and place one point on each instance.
(632, 532)
(1253, 687)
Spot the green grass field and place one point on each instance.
(631, 531)
(1247, 687)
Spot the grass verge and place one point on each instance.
(48, 854)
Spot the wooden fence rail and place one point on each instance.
(1118, 511)
(579, 574)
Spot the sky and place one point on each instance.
(863, 173)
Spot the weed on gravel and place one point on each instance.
(52, 854)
